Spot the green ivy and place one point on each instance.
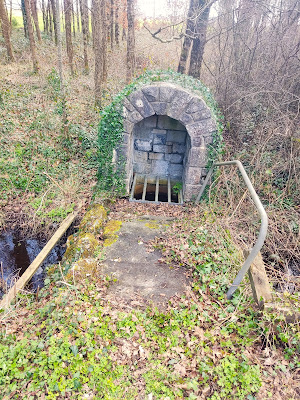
(110, 176)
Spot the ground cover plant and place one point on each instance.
(74, 340)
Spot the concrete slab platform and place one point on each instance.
(136, 265)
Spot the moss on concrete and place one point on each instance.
(94, 219)
(83, 245)
(152, 225)
(84, 267)
(110, 240)
(111, 228)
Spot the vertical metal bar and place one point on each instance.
(144, 189)
(169, 190)
(133, 187)
(180, 197)
(208, 176)
(157, 189)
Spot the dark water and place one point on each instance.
(16, 255)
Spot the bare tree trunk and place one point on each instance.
(10, 14)
(99, 30)
(62, 19)
(85, 37)
(45, 22)
(190, 28)
(60, 70)
(25, 24)
(86, 18)
(67, 6)
(6, 30)
(111, 23)
(35, 19)
(50, 19)
(77, 16)
(117, 33)
(104, 20)
(31, 37)
(73, 18)
(53, 6)
(56, 18)
(200, 39)
(130, 41)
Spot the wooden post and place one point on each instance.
(259, 280)
(19, 285)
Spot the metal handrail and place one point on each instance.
(263, 227)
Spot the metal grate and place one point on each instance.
(149, 189)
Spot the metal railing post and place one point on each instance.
(263, 227)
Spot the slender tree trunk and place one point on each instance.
(77, 16)
(10, 15)
(50, 19)
(117, 33)
(35, 19)
(25, 24)
(104, 18)
(130, 41)
(100, 35)
(31, 37)
(111, 24)
(53, 6)
(85, 37)
(67, 6)
(199, 40)
(56, 17)
(45, 22)
(86, 18)
(190, 28)
(60, 70)
(6, 30)
(73, 18)
(62, 19)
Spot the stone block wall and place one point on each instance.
(159, 147)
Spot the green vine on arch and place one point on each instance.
(111, 175)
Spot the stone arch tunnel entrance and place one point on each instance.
(166, 133)
(160, 146)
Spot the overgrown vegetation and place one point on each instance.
(69, 341)
(43, 170)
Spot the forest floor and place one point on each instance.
(71, 340)
(79, 338)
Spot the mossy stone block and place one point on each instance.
(82, 246)
(94, 219)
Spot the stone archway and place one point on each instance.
(190, 110)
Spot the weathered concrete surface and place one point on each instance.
(138, 270)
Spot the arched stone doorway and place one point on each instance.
(166, 132)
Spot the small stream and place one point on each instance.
(16, 255)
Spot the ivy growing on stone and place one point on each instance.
(111, 174)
